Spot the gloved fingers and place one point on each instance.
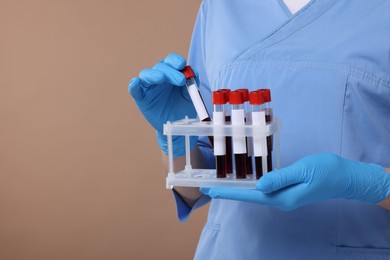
(292, 197)
(151, 77)
(146, 79)
(135, 89)
(279, 179)
(253, 196)
(286, 199)
(176, 61)
(172, 75)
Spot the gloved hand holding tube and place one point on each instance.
(161, 96)
(312, 179)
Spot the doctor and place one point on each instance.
(328, 67)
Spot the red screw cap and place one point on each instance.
(256, 98)
(245, 93)
(226, 92)
(219, 98)
(188, 72)
(236, 98)
(266, 93)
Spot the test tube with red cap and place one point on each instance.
(245, 95)
(236, 100)
(196, 98)
(256, 99)
(267, 103)
(229, 154)
(219, 101)
(268, 118)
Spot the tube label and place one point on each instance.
(259, 143)
(219, 137)
(197, 101)
(238, 119)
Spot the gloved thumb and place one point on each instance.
(279, 179)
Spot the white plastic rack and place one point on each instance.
(190, 177)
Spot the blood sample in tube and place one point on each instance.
(256, 99)
(239, 144)
(269, 118)
(245, 95)
(219, 102)
(229, 154)
(196, 98)
(240, 160)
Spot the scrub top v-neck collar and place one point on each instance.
(309, 13)
(285, 9)
(295, 5)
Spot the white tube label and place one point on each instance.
(219, 137)
(238, 119)
(259, 143)
(198, 102)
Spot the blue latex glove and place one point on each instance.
(161, 96)
(314, 178)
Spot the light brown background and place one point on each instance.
(80, 171)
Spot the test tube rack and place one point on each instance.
(190, 177)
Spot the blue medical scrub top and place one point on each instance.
(328, 67)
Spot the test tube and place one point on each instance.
(268, 118)
(229, 154)
(239, 144)
(245, 95)
(256, 99)
(219, 101)
(196, 98)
